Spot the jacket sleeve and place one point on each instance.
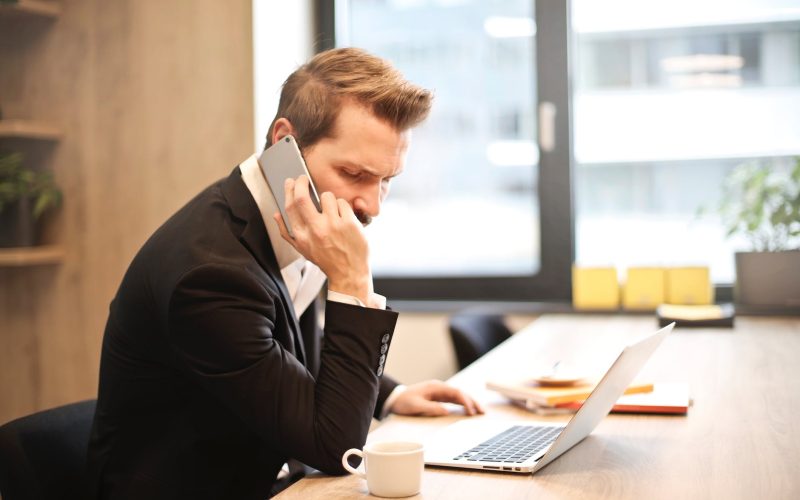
(221, 326)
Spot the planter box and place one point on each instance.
(17, 227)
(768, 280)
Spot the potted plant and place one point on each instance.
(761, 201)
(24, 196)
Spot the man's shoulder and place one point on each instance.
(202, 235)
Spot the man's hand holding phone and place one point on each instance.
(334, 239)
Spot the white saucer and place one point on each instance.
(558, 380)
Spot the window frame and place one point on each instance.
(553, 280)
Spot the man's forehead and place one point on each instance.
(367, 143)
(396, 168)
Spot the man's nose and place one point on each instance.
(369, 201)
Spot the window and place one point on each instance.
(463, 221)
(662, 102)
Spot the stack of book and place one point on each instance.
(664, 398)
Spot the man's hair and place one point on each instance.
(313, 95)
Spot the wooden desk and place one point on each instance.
(741, 438)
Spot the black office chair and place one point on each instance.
(43, 455)
(475, 334)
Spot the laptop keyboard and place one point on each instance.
(514, 445)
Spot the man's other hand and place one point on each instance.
(425, 398)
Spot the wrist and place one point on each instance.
(392, 399)
(358, 288)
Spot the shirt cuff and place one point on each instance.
(387, 405)
(375, 301)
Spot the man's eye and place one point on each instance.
(352, 175)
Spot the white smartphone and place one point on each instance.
(283, 161)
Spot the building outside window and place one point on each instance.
(668, 100)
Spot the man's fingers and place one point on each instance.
(282, 227)
(328, 203)
(449, 394)
(425, 398)
(468, 404)
(290, 207)
(346, 211)
(430, 409)
(302, 198)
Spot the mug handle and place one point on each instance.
(348, 468)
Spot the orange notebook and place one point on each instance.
(552, 396)
(672, 398)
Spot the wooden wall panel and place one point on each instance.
(156, 101)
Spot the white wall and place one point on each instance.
(421, 347)
(282, 40)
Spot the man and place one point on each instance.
(214, 371)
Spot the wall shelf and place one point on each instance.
(31, 256)
(18, 13)
(30, 8)
(27, 129)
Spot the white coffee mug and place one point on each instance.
(393, 468)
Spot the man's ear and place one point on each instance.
(281, 129)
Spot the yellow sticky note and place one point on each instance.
(689, 286)
(645, 288)
(595, 288)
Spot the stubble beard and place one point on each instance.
(363, 218)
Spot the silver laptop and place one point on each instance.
(526, 446)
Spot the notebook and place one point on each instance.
(553, 396)
(667, 398)
(527, 446)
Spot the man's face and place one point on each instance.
(359, 160)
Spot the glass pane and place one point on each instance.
(668, 100)
(466, 204)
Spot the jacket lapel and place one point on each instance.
(254, 237)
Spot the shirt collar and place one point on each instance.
(257, 185)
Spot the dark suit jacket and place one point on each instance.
(208, 381)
